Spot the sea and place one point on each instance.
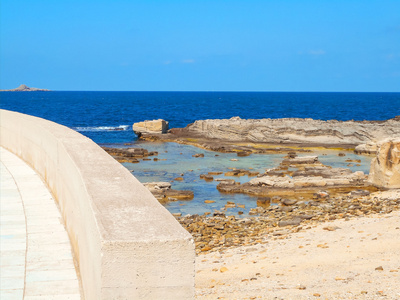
(107, 117)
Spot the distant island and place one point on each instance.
(25, 88)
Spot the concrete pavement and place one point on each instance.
(35, 252)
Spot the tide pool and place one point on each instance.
(176, 159)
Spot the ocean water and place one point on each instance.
(95, 114)
(106, 118)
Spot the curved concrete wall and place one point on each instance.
(127, 245)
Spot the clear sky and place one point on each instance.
(201, 45)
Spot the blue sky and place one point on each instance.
(275, 45)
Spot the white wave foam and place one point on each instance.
(101, 128)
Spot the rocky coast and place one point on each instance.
(317, 232)
(280, 135)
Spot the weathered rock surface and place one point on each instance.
(385, 167)
(369, 148)
(130, 155)
(155, 187)
(154, 126)
(295, 130)
(216, 231)
(163, 192)
(24, 88)
(300, 160)
(300, 178)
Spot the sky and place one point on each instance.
(201, 45)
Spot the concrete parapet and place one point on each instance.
(126, 244)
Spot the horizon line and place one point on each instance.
(189, 91)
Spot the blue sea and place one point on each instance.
(106, 118)
(95, 113)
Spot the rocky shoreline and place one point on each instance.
(280, 135)
(310, 219)
(218, 232)
(347, 258)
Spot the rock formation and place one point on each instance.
(154, 126)
(300, 178)
(385, 167)
(130, 155)
(163, 193)
(295, 130)
(24, 88)
(369, 148)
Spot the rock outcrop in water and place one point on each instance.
(163, 192)
(130, 155)
(385, 167)
(24, 88)
(154, 126)
(295, 130)
(300, 177)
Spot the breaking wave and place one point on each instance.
(102, 128)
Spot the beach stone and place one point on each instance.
(280, 232)
(300, 160)
(153, 126)
(301, 287)
(385, 167)
(243, 153)
(215, 173)
(230, 204)
(321, 195)
(207, 177)
(178, 194)
(331, 228)
(288, 201)
(360, 193)
(368, 148)
(218, 214)
(292, 222)
(157, 186)
(198, 155)
(264, 201)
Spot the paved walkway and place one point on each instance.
(35, 252)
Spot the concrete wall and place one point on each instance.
(127, 245)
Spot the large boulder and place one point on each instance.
(385, 167)
(154, 126)
(368, 148)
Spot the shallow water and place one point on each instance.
(176, 159)
(106, 118)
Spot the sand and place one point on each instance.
(354, 259)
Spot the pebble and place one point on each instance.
(301, 287)
(218, 231)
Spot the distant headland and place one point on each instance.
(25, 88)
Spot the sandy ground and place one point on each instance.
(357, 259)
